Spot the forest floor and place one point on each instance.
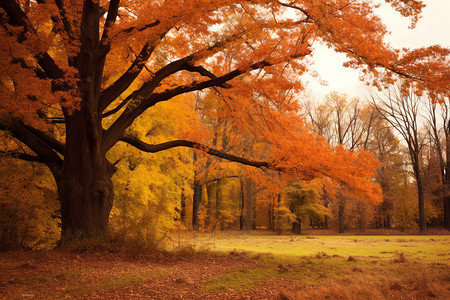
(237, 266)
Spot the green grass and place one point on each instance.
(422, 247)
(110, 283)
(241, 279)
(376, 267)
(73, 287)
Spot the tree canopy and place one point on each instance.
(76, 75)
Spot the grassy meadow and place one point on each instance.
(236, 265)
(430, 248)
(334, 266)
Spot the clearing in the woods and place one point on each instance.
(237, 266)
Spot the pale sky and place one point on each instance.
(433, 28)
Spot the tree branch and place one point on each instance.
(19, 18)
(116, 130)
(110, 19)
(36, 142)
(147, 26)
(65, 20)
(135, 142)
(186, 63)
(22, 156)
(50, 141)
(108, 95)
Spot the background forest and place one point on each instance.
(195, 117)
(158, 190)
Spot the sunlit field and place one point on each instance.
(236, 265)
(414, 246)
(337, 267)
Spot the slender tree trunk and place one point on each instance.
(446, 187)
(270, 215)
(341, 221)
(446, 207)
(326, 204)
(254, 213)
(420, 194)
(196, 204)
(242, 206)
(183, 207)
(249, 203)
(278, 216)
(297, 226)
(218, 213)
(210, 195)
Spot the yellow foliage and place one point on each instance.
(149, 187)
(29, 207)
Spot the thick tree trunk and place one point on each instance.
(85, 187)
(86, 197)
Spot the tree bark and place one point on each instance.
(183, 207)
(219, 204)
(421, 200)
(196, 204)
(341, 220)
(446, 207)
(297, 226)
(249, 203)
(242, 206)
(446, 188)
(85, 188)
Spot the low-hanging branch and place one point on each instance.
(153, 148)
(20, 155)
(38, 142)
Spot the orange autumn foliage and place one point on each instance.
(75, 76)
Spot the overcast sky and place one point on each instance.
(433, 28)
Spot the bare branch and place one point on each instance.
(116, 130)
(135, 142)
(146, 26)
(110, 19)
(66, 23)
(186, 63)
(20, 155)
(37, 142)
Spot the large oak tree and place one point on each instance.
(76, 74)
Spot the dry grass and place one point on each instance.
(406, 267)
